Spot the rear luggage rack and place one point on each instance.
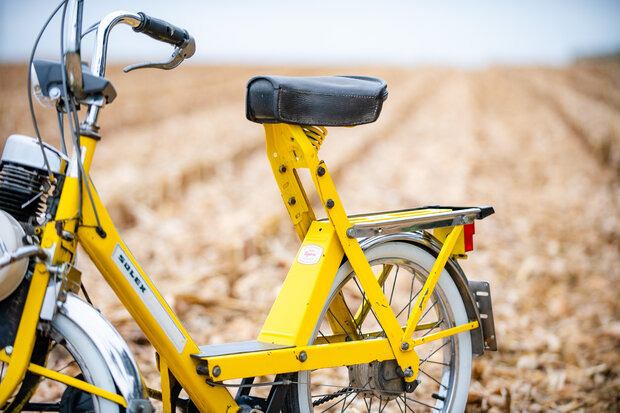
(417, 219)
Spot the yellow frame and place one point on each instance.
(293, 317)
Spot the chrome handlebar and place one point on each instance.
(140, 22)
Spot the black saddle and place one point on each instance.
(317, 100)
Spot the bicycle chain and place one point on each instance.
(331, 396)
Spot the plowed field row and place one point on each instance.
(187, 180)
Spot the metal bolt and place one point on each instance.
(408, 372)
(303, 356)
(404, 346)
(320, 171)
(216, 371)
(8, 350)
(330, 204)
(292, 201)
(282, 169)
(54, 93)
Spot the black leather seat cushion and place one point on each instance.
(317, 100)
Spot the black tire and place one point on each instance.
(445, 368)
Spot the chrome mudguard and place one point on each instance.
(432, 245)
(112, 348)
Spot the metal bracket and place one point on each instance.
(481, 290)
(65, 279)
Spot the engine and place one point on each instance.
(24, 181)
(25, 200)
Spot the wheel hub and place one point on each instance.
(383, 379)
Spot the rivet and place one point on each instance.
(217, 371)
(330, 204)
(282, 169)
(404, 346)
(303, 356)
(292, 201)
(320, 171)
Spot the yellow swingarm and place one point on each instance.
(320, 356)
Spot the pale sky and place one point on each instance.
(465, 33)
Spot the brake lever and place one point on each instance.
(180, 53)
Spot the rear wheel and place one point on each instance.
(445, 364)
(71, 352)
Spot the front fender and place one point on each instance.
(111, 346)
(432, 245)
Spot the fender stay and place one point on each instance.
(433, 246)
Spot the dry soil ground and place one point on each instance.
(186, 178)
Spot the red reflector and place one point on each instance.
(469, 230)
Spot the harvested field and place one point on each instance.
(186, 178)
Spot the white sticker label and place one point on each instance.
(310, 254)
(149, 299)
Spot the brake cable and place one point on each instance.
(74, 128)
(29, 86)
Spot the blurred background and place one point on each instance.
(510, 104)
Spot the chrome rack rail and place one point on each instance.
(417, 219)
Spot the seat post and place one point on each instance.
(290, 147)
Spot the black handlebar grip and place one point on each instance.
(162, 30)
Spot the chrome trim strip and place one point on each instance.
(110, 345)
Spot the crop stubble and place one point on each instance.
(186, 178)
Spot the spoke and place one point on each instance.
(428, 309)
(354, 397)
(435, 326)
(371, 310)
(439, 348)
(338, 321)
(398, 404)
(410, 292)
(394, 284)
(325, 338)
(406, 407)
(358, 327)
(419, 402)
(366, 403)
(344, 398)
(433, 379)
(384, 406)
(436, 362)
(410, 301)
